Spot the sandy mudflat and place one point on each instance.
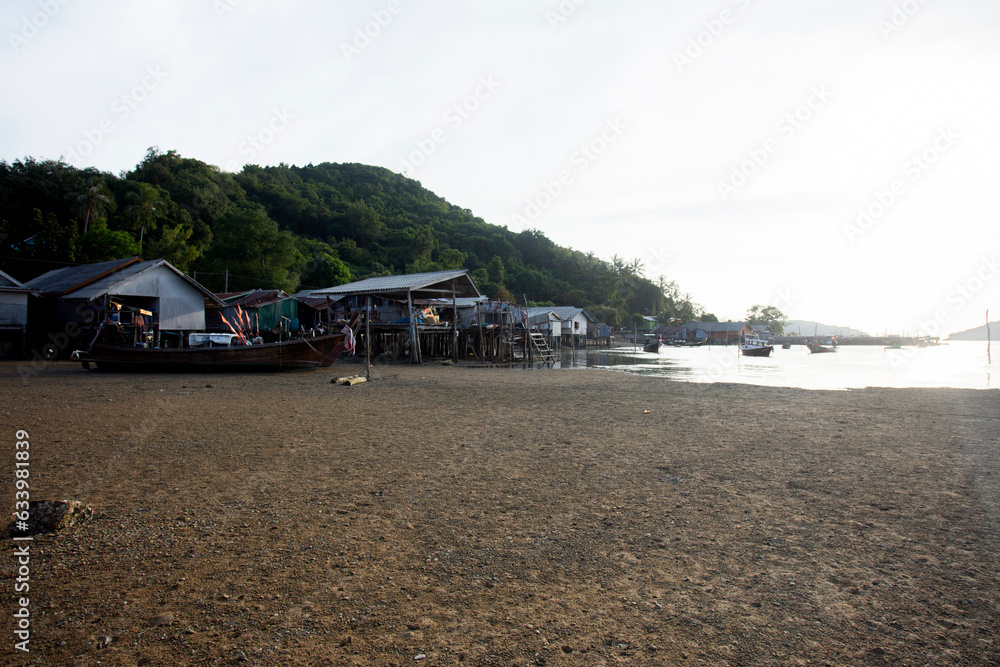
(446, 516)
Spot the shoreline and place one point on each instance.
(504, 517)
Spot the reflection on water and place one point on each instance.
(959, 365)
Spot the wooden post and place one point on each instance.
(479, 332)
(454, 323)
(368, 340)
(989, 359)
(414, 352)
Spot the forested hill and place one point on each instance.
(979, 333)
(299, 227)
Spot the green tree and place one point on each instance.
(92, 204)
(255, 252)
(100, 244)
(174, 245)
(324, 269)
(496, 270)
(768, 315)
(54, 241)
(364, 223)
(145, 208)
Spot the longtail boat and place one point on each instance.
(297, 353)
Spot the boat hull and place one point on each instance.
(652, 347)
(757, 351)
(819, 349)
(303, 354)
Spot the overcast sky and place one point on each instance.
(836, 159)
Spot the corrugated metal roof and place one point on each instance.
(93, 280)
(255, 299)
(11, 284)
(564, 312)
(709, 327)
(460, 302)
(317, 302)
(412, 282)
(61, 281)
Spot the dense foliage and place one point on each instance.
(300, 227)
(768, 315)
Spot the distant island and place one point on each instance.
(806, 328)
(979, 333)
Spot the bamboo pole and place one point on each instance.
(989, 359)
(368, 340)
(454, 323)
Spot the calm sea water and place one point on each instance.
(958, 365)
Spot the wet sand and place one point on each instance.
(450, 515)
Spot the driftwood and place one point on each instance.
(350, 380)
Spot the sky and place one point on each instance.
(838, 160)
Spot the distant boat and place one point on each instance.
(816, 348)
(786, 346)
(755, 346)
(652, 345)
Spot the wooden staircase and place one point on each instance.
(542, 351)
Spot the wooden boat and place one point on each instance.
(816, 348)
(652, 346)
(755, 346)
(305, 353)
(786, 346)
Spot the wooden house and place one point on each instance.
(265, 310)
(715, 333)
(401, 309)
(75, 300)
(13, 316)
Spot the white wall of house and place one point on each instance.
(13, 309)
(181, 306)
(576, 326)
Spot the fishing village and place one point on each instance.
(499, 334)
(438, 516)
(145, 314)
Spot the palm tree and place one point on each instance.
(93, 203)
(145, 208)
(636, 267)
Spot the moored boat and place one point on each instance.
(816, 348)
(652, 344)
(755, 346)
(219, 352)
